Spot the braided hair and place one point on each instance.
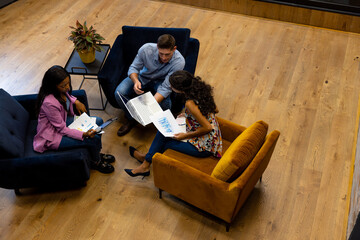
(194, 89)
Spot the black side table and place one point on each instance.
(75, 66)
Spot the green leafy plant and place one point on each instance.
(85, 38)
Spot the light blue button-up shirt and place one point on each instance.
(147, 65)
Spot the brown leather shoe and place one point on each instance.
(125, 128)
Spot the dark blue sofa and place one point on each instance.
(125, 49)
(20, 165)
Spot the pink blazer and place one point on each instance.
(52, 124)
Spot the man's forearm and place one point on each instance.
(158, 97)
(134, 77)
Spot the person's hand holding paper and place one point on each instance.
(166, 123)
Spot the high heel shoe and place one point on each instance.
(144, 174)
(131, 151)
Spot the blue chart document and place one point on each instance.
(165, 122)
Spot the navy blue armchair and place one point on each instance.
(20, 165)
(126, 47)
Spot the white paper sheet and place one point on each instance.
(83, 123)
(141, 107)
(166, 123)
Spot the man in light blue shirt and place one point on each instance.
(150, 71)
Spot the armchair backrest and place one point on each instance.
(13, 125)
(241, 152)
(135, 37)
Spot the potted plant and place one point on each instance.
(86, 41)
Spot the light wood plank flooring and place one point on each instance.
(303, 81)
(282, 12)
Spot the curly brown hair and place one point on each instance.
(194, 88)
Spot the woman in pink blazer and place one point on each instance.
(55, 109)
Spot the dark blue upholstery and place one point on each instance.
(13, 124)
(22, 167)
(125, 49)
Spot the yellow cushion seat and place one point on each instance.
(205, 165)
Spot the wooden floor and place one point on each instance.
(282, 12)
(303, 81)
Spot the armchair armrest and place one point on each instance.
(194, 186)
(192, 55)
(113, 71)
(248, 179)
(229, 130)
(46, 169)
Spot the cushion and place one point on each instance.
(13, 124)
(205, 165)
(135, 37)
(241, 152)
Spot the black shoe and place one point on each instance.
(103, 167)
(108, 158)
(125, 128)
(131, 151)
(144, 174)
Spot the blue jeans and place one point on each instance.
(126, 88)
(161, 143)
(92, 144)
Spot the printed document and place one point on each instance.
(145, 109)
(141, 107)
(83, 123)
(166, 123)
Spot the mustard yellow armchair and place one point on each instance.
(218, 186)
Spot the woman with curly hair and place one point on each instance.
(202, 137)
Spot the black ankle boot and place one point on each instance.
(103, 167)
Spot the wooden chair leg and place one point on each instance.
(261, 178)
(160, 193)
(227, 227)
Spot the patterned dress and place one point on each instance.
(211, 141)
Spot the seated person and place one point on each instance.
(203, 136)
(54, 104)
(150, 71)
